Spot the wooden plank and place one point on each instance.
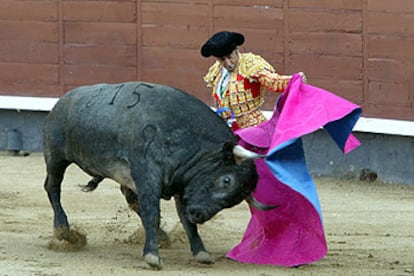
(174, 59)
(391, 47)
(61, 43)
(123, 55)
(328, 21)
(348, 89)
(327, 67)
(103, 40)
(30, 89)
(174, 36)
(28, 30)
(138, 33)
(23, 73)
(257, 41)
(256, 3)
(267, 41)
(396, 6)
(326, 4)
(28, 51)
(189, 82)
(391, 24)
(175, 14)
(286, 33)
(387, 111)
(247, 17)
(324, 43)
(76, 75)
(390, 70)
(177, 1)
(262, 42)
(264, 3)
(390, 93)
(365, 52)
(100, 33)
(28, 10)
(270, 100)
(99, 11)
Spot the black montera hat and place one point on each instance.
(222, 44)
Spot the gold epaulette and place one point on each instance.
(211, 77)
(251, 64)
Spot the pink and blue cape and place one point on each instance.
(292, 234)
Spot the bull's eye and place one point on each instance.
(226, 182)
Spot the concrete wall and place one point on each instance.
(390, 156)
(29, 124)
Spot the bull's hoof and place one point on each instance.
(66, 239)
(62, 233)
(153, 261)
(78, 239)
(204, 258)
(72, 236)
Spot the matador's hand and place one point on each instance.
(303, 76)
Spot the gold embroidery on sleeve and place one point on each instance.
(255, 68)
(211, 78)
(251, 65)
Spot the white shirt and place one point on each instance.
(224, 81)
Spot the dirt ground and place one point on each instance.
(369, 229)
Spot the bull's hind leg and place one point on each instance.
(132, 199)
(52, 185)
(148, 198)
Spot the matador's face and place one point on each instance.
(230, 61)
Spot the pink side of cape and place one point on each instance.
(292, 234)
(305, 108)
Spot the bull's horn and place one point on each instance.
(256, 204)
(241, 152)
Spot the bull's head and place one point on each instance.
(222, 183)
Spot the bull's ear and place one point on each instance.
(228, 156)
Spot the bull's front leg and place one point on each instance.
(196, 244)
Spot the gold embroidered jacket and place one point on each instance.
(246, 89)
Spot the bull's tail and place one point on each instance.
(92, 184)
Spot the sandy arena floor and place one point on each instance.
(369, 228)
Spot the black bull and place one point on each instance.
(157, 142)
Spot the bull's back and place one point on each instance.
(108, 119)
